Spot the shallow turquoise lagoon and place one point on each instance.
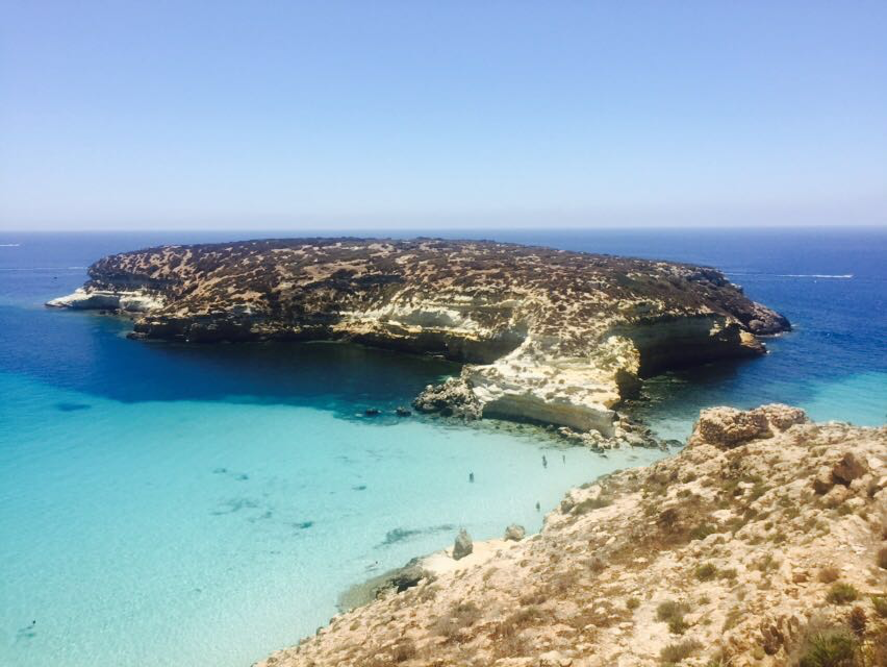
(213, 532)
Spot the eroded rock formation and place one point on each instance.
(764, 542)
(551, 336)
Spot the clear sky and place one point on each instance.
(190, 114)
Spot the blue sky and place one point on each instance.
(161, 114)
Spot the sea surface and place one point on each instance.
(168, 504)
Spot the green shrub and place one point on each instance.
(835, 647)
(673, 613)
(677, 625)
(669, 609)
(676, 653)
(706, 572)
(882, 557)
(842, 593)
(702, 531)
(880, 603)
(632, 603)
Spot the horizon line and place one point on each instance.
(447, 228)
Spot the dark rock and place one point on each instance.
(403, 412)
(463, 545)
(515, 532)
(453, 398)
(372, 412)
(399, 579)
(407, 577)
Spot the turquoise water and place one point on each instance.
(205, 532)
(164, 504)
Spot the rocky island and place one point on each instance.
(548, 336)
(764, 542)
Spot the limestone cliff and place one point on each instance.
(552, 336)
(764, 542)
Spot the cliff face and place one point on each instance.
(553, 336)
(764, 542)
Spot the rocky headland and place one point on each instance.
(547, 336)
(763, 542)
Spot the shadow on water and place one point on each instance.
(681, 394)
(89, 353)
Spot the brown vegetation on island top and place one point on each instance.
(763, 542)
(550, 336)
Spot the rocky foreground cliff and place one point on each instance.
(550, 336)
(764, 542)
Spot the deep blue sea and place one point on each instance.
(167, 504)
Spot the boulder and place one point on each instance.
(515, 532)
(727, 427)
(463, 545)
(848, 469)
(782, 416)
(407, 577)
(453, 398)
(822, 481)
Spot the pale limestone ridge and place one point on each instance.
(765, 530)
(550, 336)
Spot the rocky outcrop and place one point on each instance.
(548, 336)
(452, 398)
(123, 300)
(463, 545)
(515, 532)
(729, 553)
(729, 427)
